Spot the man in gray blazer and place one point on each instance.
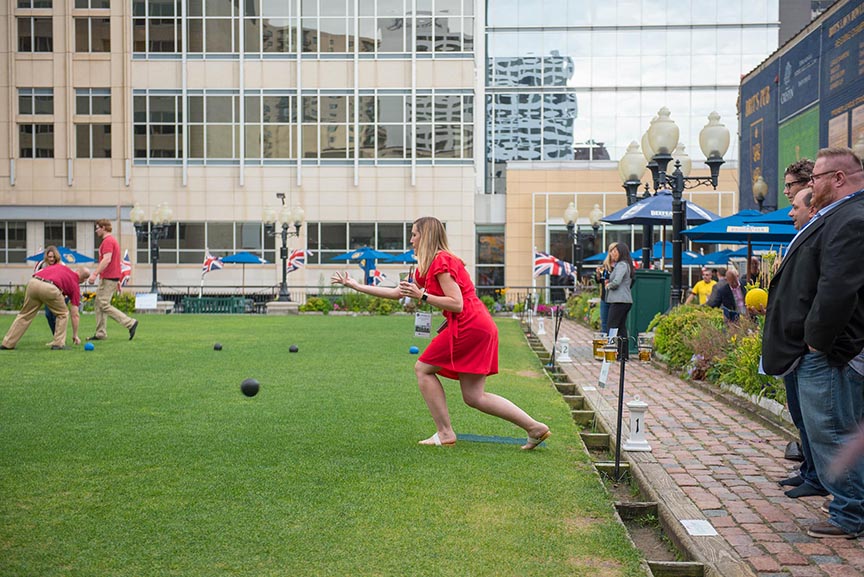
(814, 326)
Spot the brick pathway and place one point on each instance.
(726, 461)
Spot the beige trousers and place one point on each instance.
(103, 309)
(39, 293)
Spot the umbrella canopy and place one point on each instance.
(658, 210)
(599, 257)
(664, 250)
(67, 255)
(719, 257)
(736, 230)
(723, 257)
(366, 256)
(779, 216)
(243, 258)
(407, 256)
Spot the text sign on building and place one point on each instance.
(759, 134)
(842, 100)
(799, 77)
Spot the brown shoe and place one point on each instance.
(826, 506)
(826, 530)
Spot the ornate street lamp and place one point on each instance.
(760, 191)
(571, 217)
(158, 228)
(631, 167)
(286, 218)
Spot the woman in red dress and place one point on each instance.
(466, 349)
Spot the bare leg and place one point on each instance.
(475, 396)
(433, 393)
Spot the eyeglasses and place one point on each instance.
(816, 175)
(789, 185)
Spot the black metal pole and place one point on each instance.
(677, 183)
(154, 255)
(283, 288)
(577, 249)
(622, 343)
(647, 244)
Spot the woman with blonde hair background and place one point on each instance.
(602, 275)
(466, 349)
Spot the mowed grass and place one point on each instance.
(143, 458)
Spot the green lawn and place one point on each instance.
(143, 459)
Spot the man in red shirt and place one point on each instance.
(50, 287)
(109, 269)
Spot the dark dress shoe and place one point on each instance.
(793, 481)
(806, 490)
(132, 330)
(95, 338)
(2, 348)
(59, 348)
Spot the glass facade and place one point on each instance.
(390, 127)
(580, 79)
(328, 239)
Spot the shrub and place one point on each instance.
(674, 331)
(580, 309)
(12, 300)
(316, 304)
(490, 303)
(740, 367)
(354, 301)
(379, 306)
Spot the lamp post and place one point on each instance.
(571, 217)
(594, 217)
(159, 227)
(286, 217)
(660, 146)
(760, 191)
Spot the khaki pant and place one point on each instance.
(37, 294)
(104, 309)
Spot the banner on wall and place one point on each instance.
(842, 85)
(797, 138)
(758, 132)
(799, 76)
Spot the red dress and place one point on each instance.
(469, 343)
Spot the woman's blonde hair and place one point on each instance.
(53, 250)
(607, 262)
(432, 240)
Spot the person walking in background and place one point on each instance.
(703, 288)
(618, 294)
(465, 349)
(109, 269)
(602, 275)
(49, 257)
(804, 483)
(814, 326)
(731, 296)
(50, 286)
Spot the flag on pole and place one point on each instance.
(211, 263)
(297, 259)
(376, 277)
(548, 264)
(125, 270)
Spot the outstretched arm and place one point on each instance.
(451, 300)
(345, 279)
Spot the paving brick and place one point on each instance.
(764, 563)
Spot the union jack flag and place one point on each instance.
(376, 277)
(548, 264)
(297, 259)
(125, 270)
(211, 263)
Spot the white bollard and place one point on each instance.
(637, 441)
(541, 326)
(564, 351)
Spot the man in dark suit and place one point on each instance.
(815, 325)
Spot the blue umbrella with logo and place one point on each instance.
(658, 210)
(366, 257)
(67, 256)
(779, 216)
(243, 257)
(739, 229)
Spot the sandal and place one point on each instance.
(533, 443)
(436, 441)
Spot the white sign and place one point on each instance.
(146, 301)
(748, 229)
(423, 325)
(699, 527)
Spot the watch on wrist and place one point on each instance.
(424, 297)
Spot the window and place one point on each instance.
(329, 239)
(214, 126)
(35, 35)
(92, 35)
(213, 26)
(93, 4)
(157, 126)
(36, 101)
(92, 101)
(60, 233)
(13, 242)
(187, 242)
(156, 26)
(36, 140)
(490, 260)
(34, 4)
(92, 141)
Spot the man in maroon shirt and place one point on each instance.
(50, 287)
(109, 269)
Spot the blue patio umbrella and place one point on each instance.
(244, 258)
(407, 256)
(736, 229)
(366, 257)
(779, 216)
(599, 257)
(713, 258)
(722, 257)
(664, 250)
(657, 210)
(67, 255)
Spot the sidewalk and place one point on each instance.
(714, 462)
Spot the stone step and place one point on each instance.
(676, 568)
(566, 388)
(595, 441)
(574, 401)
(635, 509)
(583, 417)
